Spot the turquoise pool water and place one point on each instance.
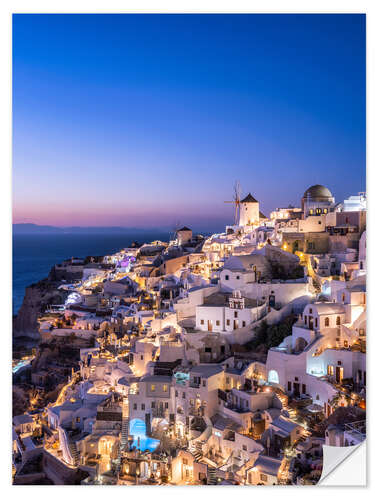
(141, 441)
(20, 365)
(145, 443)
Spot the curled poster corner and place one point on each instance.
(344, 466)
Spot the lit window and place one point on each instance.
(153, 388)
(165, 388)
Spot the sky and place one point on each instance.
(149, 120)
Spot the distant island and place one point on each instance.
(30, 228)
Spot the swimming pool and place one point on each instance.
(141, 441)
(145, 443)
(20, 365)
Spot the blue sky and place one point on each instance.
(146, 120)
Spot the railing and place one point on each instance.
(171, 343)
(357, 429)
(159, 413)
(195, 385)
(196, 412)
(237, 409)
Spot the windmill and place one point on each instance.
(236, 202)
(174, 229)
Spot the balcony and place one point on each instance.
(194, 385)
(159, 413)
(236, 409)
(196, 412)
(357, 430)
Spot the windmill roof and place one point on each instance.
(249, 199)
(262, 216)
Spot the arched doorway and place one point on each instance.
(105, 447)
(300, 344)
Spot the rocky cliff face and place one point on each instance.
(37, 298)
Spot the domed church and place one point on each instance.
(317, 200)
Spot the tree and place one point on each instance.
(272, 335)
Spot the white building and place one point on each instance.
(224, 312)
(326, 346)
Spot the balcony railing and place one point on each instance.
(159, 413)
(196, 412)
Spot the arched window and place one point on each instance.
(338, 320)
(273, 376)
(326, 321)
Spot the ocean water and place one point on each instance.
(34, 255)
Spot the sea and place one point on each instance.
(35, 254)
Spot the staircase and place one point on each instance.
(125, 425)
(285, 402)
(196, 451)
(74, 452)
(211, 476)
(117, 464)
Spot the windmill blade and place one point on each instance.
(237, 198)
(237, 191)
(174, 230)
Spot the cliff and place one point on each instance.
(37, 298)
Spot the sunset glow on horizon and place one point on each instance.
(145, 120)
